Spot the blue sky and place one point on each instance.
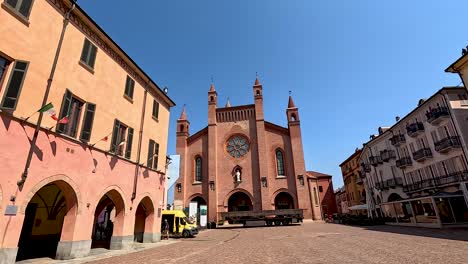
(352, 66)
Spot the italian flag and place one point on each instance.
(50, 110)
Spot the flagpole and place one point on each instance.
(92, 145)
(66, 20)
(27, 118)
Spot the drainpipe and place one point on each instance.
(66, 20)
(140, 136)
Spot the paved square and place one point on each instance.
(311, 243)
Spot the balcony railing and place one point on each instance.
(434, 116)
(398, 139)
(404, 162)
(450, 179)
(375, 160)
(386, 155)
(414, 129)
(422, 154)
(392, 183)
(366, 167)
(447, 144)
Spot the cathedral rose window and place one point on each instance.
(237, 146)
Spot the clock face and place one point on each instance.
(237, 146)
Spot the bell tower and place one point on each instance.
(212, 154)
(183, 126)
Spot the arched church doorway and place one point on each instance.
(239, 201)
(200, 201)
(284, 200)
(45, 215)
(108, 219)
(144, 221)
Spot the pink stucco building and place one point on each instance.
(96, 179)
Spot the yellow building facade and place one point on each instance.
(96, 174)
(353, 184)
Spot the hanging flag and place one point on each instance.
(102, 139)
(64, 120)
(49, 109)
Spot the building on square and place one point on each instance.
(416, 171)
(241, 162)
(353, 182)
(97, 171)
(327, 194)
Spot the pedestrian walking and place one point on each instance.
(165, 229)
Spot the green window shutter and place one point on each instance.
(92, 56)
(85, 51)
(155, 109)
(129, 84)
(128, 151)
(25, 8)
(12, 3)
(150, 154)
(114, 136)
(13, 90)
(156, 157)
(88, 122)
(66, 104)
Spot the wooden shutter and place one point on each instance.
(115, 133)
(156, 157)
(92, 56)
(85, 51)
(12, 3)
(129, 84)
(66, 103)
(150, 154)
(13, 89)
(25, 8)
(155, 109)
(88, 122)
(128, 151)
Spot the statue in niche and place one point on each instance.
(237, 175)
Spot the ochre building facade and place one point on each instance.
(241, 162)
(96, 179)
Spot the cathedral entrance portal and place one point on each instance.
(239, 201)
(284, 201)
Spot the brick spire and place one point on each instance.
(183, 116)
(212, 88)
(257, 82)
(291, 102)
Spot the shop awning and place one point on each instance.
(358, 207)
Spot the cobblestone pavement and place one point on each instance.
(310, 243)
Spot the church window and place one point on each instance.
(198, 169)
(237, 146)
(280, 162)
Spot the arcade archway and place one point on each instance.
(394, 197)
(108, 219)
(239, 201)
(144, 221)
(49, 216)
(284, 200)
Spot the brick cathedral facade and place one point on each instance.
(242, 162)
